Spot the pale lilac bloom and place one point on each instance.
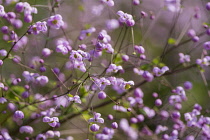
(63, 46)
(148, 76)
(173, 5)
(75, 99)
(137, 71)
(41, 26)
(2, 12)
(133, 101)
(159, 129)
(113, 68)
(85, 33)
(50, 134)
(5, 134)
(41, 137)
(75, 56)
(184, 58)
(108, 2)
(108, 48)
(38, 27)
(160, 71)
(80, 65)
(42, 80)
(18, 114)
(139, 49)
(94, 127)
(29, 77)
(3, 100)
(112, 24)
(119, 108)
(107, 134)
(149, 112)
(96, 118)
(97, 10)
(1, 85)
(26, 129)
(131, 132)
(62, 49)
(55, 21)
(3, 52)
(125, 18)
(51, 121)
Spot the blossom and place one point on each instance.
(3, 100)
(87, 32)
(96, 118)
(113, 68)
(55, 21)
(173, 5)
(2, 12)
(26, 129)
(108, 2)
(94, 127)
(51, 121)
(184, 58)
(75, 99)
(42, 80)
(125, 18)
(18, 114)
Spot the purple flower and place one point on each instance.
(55, 21)
(149, 112)
(49, 134)
(184, 58)
(206, 45)
(173, 5)
(160, 129)
(26, 129)
(134, 101)
(101, 95)
(119, 108)
(208, 6)
(41, 26)
(125, 18)
(75, 99)
(112, 24)
(3, 100)
(113, 68)
(187, 85)
(63, 46)
(114, 125)
(42, 80)
(97, 9)
(41, 137)
(191, 33)
(18, 114)
(85, 33)
(2, 12)
(3, 52)
(147, 76)
(80, 65)
(108, 2)
(94, 127)
(51, 121)
(158, 102)
(96, 118)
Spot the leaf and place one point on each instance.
(156, 61)
(171, 41)
(118, 60)
(81, 8)
(144, 67)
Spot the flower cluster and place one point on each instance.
(125, 18)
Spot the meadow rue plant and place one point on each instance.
(104, 70)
